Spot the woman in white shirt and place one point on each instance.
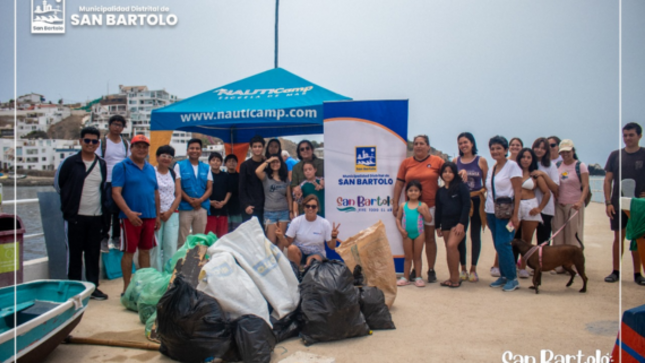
(504, 181)
(307, 235)
(548, 171)
(169, 197)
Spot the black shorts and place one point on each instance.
(614, 222)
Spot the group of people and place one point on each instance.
(538, 191)
(528, 192)
(109, 185)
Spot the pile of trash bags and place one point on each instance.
(249, 298)
(148, 285)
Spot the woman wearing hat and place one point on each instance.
(570, 199)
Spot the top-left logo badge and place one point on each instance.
(47, 18)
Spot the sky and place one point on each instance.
(519, 69)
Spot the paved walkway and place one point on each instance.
(473, 323)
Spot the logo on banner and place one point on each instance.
(48, 18)
(365, 159)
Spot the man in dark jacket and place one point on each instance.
(80, 181)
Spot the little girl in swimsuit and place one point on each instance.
(409, 220)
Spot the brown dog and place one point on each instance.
(552, 257)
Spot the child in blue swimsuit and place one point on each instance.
(409, 220)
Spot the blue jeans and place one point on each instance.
(166, 243)
(502, 239)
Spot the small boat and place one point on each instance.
(44, 314)
(17, 176)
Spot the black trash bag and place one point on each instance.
(296, 271)
(254, 339)
(287, 327)
(374, 309)
(358, 276)
(233, 354)
(192, 326)
(330, 307)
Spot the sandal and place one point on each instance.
(418, 282)
(449, 283)
(402, 282)
(473, 277)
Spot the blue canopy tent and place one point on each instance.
(272, 103)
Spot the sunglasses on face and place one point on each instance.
(553, 145)
(311, 206)
(305, 148)
(91, 141)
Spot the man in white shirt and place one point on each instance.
(113, 149)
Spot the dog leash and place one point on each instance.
(539, 247)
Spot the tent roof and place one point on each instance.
(271, 103)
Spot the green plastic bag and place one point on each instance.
(150, 295)
(149, 323)
(139, 280)
(191, 242)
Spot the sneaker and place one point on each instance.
(98, 295)
(613, 277)
(494, 271)
(463, 275)
(115, 243)
(104, 245)
(418, 282)
(413, 275)
(402, 282)
(499, 282)
(524, 274)
(511, 285)
(432, 276)
(473, 277)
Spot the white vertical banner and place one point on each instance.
(365, 143)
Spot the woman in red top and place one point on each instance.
(423, 167)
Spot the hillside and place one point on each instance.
(68, 129)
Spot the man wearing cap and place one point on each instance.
(135, 191)
(196, 187)
(80, 181)
(632, 165)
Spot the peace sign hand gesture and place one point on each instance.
(334, 230)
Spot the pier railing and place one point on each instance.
(19, 202)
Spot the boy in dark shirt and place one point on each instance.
(251, 189)
(217, 221)
(234, 211)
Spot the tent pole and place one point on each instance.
(277, 5)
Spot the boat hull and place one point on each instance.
(39, 333)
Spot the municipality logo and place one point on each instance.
(48, 17)
(365, 159)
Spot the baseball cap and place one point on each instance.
(140, 138)
(566, 145)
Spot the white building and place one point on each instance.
(38, 117)
(39, 154)
(109, 106)
(135, 103)
(33, 98)
(141, 102)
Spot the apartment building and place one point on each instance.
(38, 154)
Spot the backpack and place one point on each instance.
(589, 195)
(104, 145)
